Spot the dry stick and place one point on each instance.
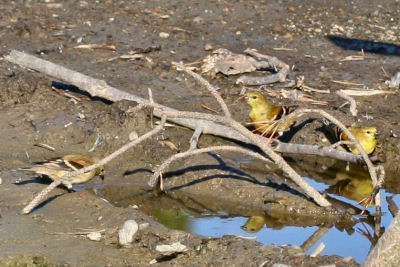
(209, 87)
(105, 160)
(272, 62)
(195, 138)
(157, 173)
(100, 88)
(315, 237)
(353, 105)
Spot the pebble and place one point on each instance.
(198, 20)
(174, 247)
(164, 35)
(94, 236)
(1, 181)
(127, 232)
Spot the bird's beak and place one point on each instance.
(102, 177)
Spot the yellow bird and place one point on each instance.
(365, 135)
(254, 224)
(58, 167)
(265, 116)
(352, 186)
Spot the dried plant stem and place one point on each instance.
(105, 160)
(353, 105)
(209, 87)
(157, 173)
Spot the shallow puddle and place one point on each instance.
(353, 184)
(337, 242)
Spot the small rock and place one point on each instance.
(94, 236)
(174, 247)
(1, 181)
(198, 20)
(127, 232)
(164, 35)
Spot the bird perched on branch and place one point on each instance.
(365, 135)
(265, 116)
(58, 167)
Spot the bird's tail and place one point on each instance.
(332, 129)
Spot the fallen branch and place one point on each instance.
(100, 88)
(267, 62)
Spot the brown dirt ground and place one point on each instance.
(207, 183)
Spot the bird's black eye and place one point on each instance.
(253, 97)
(369, 132)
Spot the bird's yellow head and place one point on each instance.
(369, 131)
(100, 171)
(255, 99)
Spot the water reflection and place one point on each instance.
(344, 185)
(174, 218)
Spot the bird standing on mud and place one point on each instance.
(58, 167)
(265, 116)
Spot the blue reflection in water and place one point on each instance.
(336, 242)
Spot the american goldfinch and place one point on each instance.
(365, 135)
(356, 187)
(58, 167)
(254, 224)
(265, 116)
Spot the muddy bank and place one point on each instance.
(32, 113)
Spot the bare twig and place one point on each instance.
(45, 146)
(353, 105)
(318, 250)
(105, 160)
(100, 88)
(209, 87)
(195, 138)
(157, 173)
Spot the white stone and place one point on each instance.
(127, 232)
(94, 236)
(174, 247)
